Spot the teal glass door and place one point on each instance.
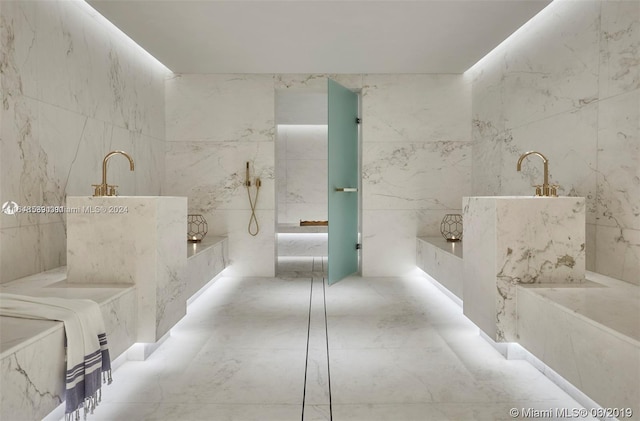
(343, 182)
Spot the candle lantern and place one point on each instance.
(451, 227)
(196, 228)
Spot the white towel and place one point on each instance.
(86, 343)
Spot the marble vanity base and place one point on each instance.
(136, 240)
(510, 241)
(32, 356)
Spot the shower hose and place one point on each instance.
(254, 227)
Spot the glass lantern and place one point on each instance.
(451, 227)
(196, 228)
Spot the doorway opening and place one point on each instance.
(301, 182)
(305, 174)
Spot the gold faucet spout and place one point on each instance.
(103, 189)
(545, 186)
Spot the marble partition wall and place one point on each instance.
(215, 124)
(567, 84)
(416, 163)
(73, 89)
(416, 158)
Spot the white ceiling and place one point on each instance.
(305, 36)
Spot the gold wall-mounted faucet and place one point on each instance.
(545, 189)
(105, 189)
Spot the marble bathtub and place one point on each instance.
(32, 357)
(32, 351)
(589, 334)
(585, 334)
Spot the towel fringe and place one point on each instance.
(71, 416)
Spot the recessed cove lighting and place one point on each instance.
(543, 16)
(117, 32)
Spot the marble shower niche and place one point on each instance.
(137, 240)
(512, 240)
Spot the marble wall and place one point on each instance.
(302, 165)
(215, 124)
(73, 89)
(567, 84)
(416, 163)
(416, 158)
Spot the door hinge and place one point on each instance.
(358, 246)
(358, 120)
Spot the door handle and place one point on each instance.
(347, 189)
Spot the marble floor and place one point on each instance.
(297, 349)
(301, 266)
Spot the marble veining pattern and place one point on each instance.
(416, 163)
(32, 366)
(588, 335)
(222, 108)
(151, 254)
(442, 261)
(518, 240)
(215, 124)
(415, 108)
(240, 354)
(206, 156)
(396, 175)
(31, 387)
(72, 89)
(575, 100)
(301, 165)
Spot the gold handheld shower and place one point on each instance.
(253, 227)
